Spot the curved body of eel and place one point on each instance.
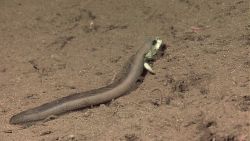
(120, 86)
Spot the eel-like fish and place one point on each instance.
(124, 82)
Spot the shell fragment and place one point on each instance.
(148, 67)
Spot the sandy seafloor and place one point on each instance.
(200, 92)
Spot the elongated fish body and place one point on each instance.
(118, 88)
